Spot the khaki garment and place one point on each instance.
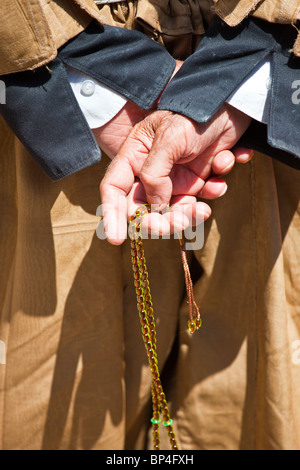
(76, 374)
(168, 20)
(31, 31)
(236, 385)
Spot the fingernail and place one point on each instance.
(228, 167)
(224, 192)
(156, 203)
(155, 200)
(207, 213)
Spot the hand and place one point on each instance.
(112, 135)
(172, 156)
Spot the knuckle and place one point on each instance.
(146, 176)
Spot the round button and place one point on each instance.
(88, 88)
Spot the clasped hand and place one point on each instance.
(164, 159)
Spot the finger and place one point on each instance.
(214, 188)
(185, 181)
(223, 163)
(242, 154)
(178, 219)
(166, 149)
(118, 181)
(157, 182)
(113, 190)
(184, 212)
(136, 198)
(197, 212)
(155, 224)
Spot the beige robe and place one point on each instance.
(73, 368)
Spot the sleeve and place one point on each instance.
(252, 97)
(98, 103)
(225, 57)
(43, 112)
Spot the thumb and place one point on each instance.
(173, 142)
(155, 176)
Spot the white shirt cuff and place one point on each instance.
(98, 103)
(252, 97)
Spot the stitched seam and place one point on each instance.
(70, 93)
(10, 294)
(106, 80)
(31, 64)
(32, 59)
(254, 207)
(77, 109)
(35, 33)
(59, 26)
(30, 25)
(33, 22)
(84, 164)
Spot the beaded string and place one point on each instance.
(195, 321)
(145, 309)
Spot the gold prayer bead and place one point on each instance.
(145, 309)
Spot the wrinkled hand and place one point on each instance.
(112, 135)
(173, 157)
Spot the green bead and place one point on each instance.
(155, 421)
(168, 423)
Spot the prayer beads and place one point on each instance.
(146, 315)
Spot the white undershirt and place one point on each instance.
(100, 104)
(252, 97)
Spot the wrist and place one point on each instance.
(179, 64)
